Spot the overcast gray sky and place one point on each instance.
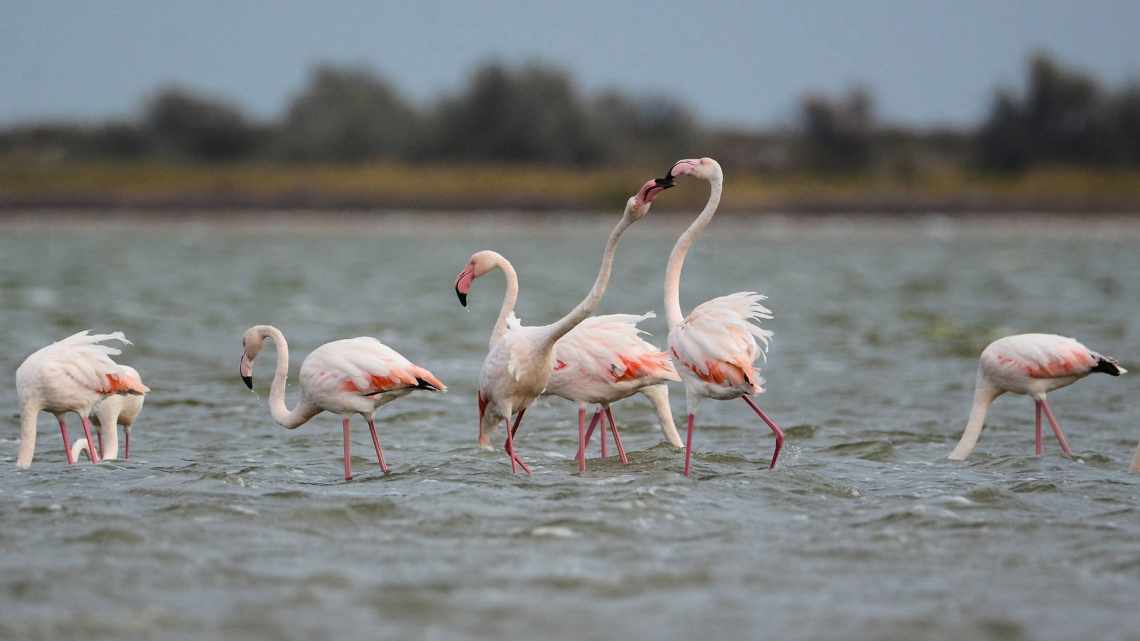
(735, 62)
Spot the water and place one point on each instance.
(225, 525)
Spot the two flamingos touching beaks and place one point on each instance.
(589, 360)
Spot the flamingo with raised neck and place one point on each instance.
(521, 358)
(716, 345)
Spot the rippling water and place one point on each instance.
(225, 525)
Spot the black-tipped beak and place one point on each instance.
(248, 380)
(461, 295)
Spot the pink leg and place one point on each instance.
(1040, 447)
(1057, 429)
(509, 446)
(581, 439)
(593, 424)
(347, 451)
(602, 436)
(91, 453)
(376, 443)
(66, 441)
(617, 438)
(688, 445)
(126, 443)
(771, 424)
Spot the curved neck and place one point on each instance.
(582, 311)
(673, 313)
(510, 297)
(290, 419)
(984, 395)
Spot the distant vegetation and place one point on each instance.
(349, 133)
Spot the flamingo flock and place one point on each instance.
(592, 361)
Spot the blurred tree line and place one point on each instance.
(534, 113)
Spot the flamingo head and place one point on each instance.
(703, 168)
(638, 204)
(251, 343)
(479, 264)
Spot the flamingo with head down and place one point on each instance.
(71, 375)
(604, 360)
(350, 376)
(109, 414)
(521, 358)
(1030, 364)
(715, 346)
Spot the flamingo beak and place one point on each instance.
(245, 369)
(682, 168)
(463, 284)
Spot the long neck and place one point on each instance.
(673, 313)
(984, 394)
(583, 310)
(109, 428)
(659, 395)
(510, 297)
(28, 415)
(290, 419)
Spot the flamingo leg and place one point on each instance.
(772, 425)
(509, 446)
(126, 443)
(347, 450)
(91, 453)
(376, 444)
(602, 436)
(484, 440)
(688, 444)
(581, 439)
(1057, 429)
(617, 438)
(1039, 446)
(593, 424)
(66, 441)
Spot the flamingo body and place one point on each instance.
(1032, 365)
(70, 375)
(108, 414)
(345, 377)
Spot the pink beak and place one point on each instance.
(684, 167)
(463, 284)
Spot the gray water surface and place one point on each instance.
(223, 525)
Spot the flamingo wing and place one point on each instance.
(1041, 356)
(84, 359)
(722, 338)
(610, 349)
(364, 366)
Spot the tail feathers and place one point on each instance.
(1107, 365)
(427, 380)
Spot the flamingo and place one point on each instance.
(109, 414)
(602, 361)
(714, 348)
(521, 358)
(349, 376)
(1031, 364)
(70, 375)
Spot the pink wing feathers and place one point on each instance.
(722, 338)
(1041, 356)
(610, 348)
(85, 360)
(364, 366)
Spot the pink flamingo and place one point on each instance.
(521, 358)
(715, 347)
(1032, 364)
(350, 376)
(71, 375)
(602, 361)
(109, 414)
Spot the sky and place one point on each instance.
(927, 62)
